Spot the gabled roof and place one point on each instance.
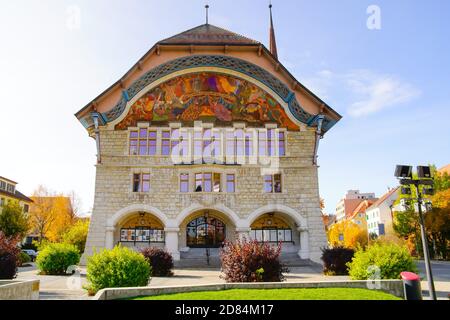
(17, 195)
(383, 198)
(208, 34)
(362, 207)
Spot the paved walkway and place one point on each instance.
(70, 288)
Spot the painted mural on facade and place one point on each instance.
(209, 97)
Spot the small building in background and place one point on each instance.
(8, 192)
(380, 214)
(358, 215)
(349, 202)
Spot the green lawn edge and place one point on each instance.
(278, 294)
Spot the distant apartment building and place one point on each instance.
(380, 214)
(349, 202)
(9, 192)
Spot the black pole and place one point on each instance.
(426, 255)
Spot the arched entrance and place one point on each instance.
(205, 228)
(140, 229)
(271, 227)
(205, 232)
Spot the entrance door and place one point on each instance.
(205, 232)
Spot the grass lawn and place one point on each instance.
(278, 294)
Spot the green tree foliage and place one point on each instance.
(13, 221)
(77, 234)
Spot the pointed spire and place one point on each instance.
(273, 42)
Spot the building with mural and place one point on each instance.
(208, 137)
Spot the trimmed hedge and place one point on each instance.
(389, 259)
(335, 260)
(116, 268)
(160, 260)
(56, 258)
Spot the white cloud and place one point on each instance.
(368, 92)
(375, 92)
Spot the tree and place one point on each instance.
(437, 223)
(347, 234)
(77, 234)
(13, 221)
(51, 214)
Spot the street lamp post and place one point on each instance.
(406, 179)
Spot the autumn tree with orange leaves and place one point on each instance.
(51, 214)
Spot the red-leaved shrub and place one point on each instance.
(9, 256)
(160, 260)
(251, 261)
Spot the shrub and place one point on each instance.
(335, 260)
(23, 258)
(251, 261)
(391, 259)
(55, 258)
(115, 268)
(9, 253)
(77, 234)
(160, 260)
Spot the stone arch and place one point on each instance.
(124, 212)
(230, 214)
(301, 221)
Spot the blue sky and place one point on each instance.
(391, 85)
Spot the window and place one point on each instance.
(184, 182)
(26, 208)
(141, 234)
(165, 143)
(240, 143)
(271, 235)
(141, 182)
(272, 183)
(231, 183)
(281, 144)
(230, 144)
(271, 142)
(216, 182)
(207, 182)
(249, 144)
(262, 143)
(143, 142)
(10, 188)
(3, 185)
(2, 202)
(152, 135)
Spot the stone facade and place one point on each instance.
(115, 200)
(207, 78)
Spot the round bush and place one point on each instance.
(118, 267)
(335, 260)
(56, 258)
(8, 266)
(160, 260)
(383, 261)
